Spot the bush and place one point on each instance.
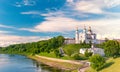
(88, 54)
(112, 48)
(78, 57)
(71, 49)
(97, 62)
(56, 52)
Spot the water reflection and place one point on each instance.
(18, 63)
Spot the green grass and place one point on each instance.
(113, 65)
(71, 49)
(52, 55)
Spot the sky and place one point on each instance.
(34, 20)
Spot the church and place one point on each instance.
(87, 36)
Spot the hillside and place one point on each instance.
(113, 65)
(71, 49)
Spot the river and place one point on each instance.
(18, 63)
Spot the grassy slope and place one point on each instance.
(75, 47)
(114, 66)
(71, 48)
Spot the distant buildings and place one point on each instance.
(94, 50)
(87, 36)
(69, 41)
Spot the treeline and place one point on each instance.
(35, 47)
(111, 48)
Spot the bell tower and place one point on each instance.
(77, 36)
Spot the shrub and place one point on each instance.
(97, 62)
(78, 57)
(88, 54)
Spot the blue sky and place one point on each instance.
(33, 20)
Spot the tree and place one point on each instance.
(106, 39)
(112, 48)
(97, 62)
(35, 47)
(87, 53)
(56, 52)
(84, 45)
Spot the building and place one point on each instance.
(69, 41)
(87, 36)
(99, 41)
(94, 50)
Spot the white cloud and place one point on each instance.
(6, 40)
(25, 3)
(53, 14)
(17, 4)
(31, 12)
(112, 3)
(70, 1)
(29, 2)
(4, 32)
(93, 6)
(88, 7)
(54, 24)
(5, 26)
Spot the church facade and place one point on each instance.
(87, 36)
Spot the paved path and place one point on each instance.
(59, 60)
(84, 67)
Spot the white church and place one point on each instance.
(87, 36)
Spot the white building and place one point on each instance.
(86, 36)
(77, 36)
(94, 50)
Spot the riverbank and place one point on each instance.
(68, 65)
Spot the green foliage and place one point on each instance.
(71, 49)
(51, 54)
(35, 47)
(88, 54)
(97, 62)
(84, 45)
(57, 53)
(112, 48)
(106, 39)
(77, 56)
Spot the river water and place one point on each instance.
(18, 63)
